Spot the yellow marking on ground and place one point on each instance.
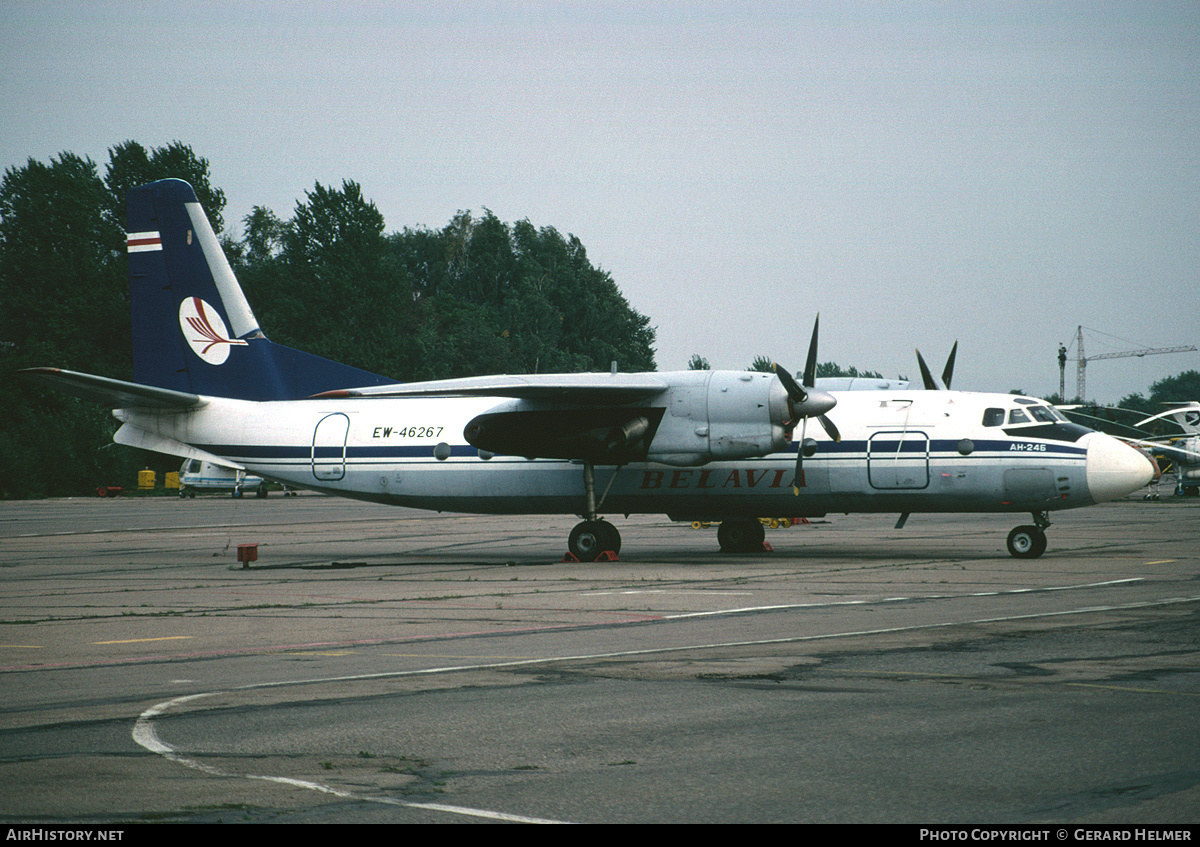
(1161, 562)
(320, 653)
(464, 656)
(25, 646)
(144, 640)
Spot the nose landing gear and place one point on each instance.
(1029, 542)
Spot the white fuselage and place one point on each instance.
(900, 451)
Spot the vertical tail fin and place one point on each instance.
(193, 330)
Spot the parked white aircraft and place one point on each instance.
(695, 445)
(1182, 450)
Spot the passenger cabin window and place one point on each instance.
(993, 417)
(1016, 416)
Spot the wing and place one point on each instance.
(1179, 408)
(585, 389)
(594, 417)
(114, 393)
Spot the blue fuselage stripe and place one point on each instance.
(939, 449)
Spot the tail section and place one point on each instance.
(193, 330)
(1185, 415)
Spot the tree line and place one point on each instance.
(765, 364)
(477, 296)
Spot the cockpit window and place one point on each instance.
(993, 417)
(1034, 419)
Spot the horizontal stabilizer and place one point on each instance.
(114, 393)
(559, 388)
(131, 436)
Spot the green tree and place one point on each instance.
(265, 234)
(62, 289)
(424, 257)
(131, 165)
(542, 306)
(1135, 402)
(323, 282)
(1181, 388)
(698, 363)
(832, 369)
(63, 302)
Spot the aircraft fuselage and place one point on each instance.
(901, 451)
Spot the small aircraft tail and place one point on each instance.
(193, 330)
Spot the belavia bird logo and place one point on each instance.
(205, 331)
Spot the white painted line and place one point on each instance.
(671, 591)
(145, 734)
(832, 603)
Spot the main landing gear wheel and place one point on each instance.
(591, 538)
(741, 536)
(1027, 542)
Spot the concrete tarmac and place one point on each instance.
(380, 664)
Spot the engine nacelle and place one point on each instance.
(715, 415)
(702, 417)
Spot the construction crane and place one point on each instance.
(1081, 370)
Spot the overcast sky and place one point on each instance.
(996, 173)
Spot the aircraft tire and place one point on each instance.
(591, 538)
(741, 535)
(1026, 542)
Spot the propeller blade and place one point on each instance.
(810, 365)
(948, 372)
(798, 477)
(830, 429)
(926, 374)
(793, 389)
(932, 384)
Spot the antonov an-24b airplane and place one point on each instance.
(694, 445)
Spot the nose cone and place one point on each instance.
(1115, 469)
(818, 403)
